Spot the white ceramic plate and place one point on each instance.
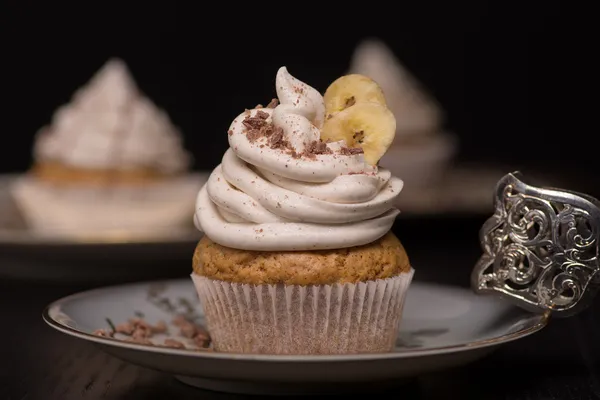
(13, 230)
(114, 255)
(442, 327)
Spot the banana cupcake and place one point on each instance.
(298, 256)
(109, 161)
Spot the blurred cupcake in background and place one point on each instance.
(421, 150)
(110, 160)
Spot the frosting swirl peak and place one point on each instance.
(280, 188)
(109, 124)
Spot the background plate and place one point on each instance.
(115, 256)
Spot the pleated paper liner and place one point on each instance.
(294, 319)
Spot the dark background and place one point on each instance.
(509, 77)
(515, 80)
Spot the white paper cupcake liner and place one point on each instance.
(58, 210)
(293, 319)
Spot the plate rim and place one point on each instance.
(536, 322)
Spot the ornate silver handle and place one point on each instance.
(540, 248)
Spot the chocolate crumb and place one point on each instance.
(188, 331)
(230, 132)
(276, 140)
(253, 135)
(140, 324)
(139, 341)
(174, 343)
(126, 329)
(203, 333)
(262, 114)
(160, 327)
(139, 333)
(273, 103)
(200, 341)
(103, 333)
(349, 151)
(318, 147)
(254, 122)
(179, 321)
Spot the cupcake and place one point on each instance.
(422, 149)
(109, 160)
(297, 255)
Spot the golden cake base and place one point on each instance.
(381, 259)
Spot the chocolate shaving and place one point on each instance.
(256, 126)
(174, 344)
(276, 140)
(318, 147)
(254, 122)
(139, 331)
(253, 135)
(349, 151)
(126, 328)
(160, 327)
(103, 333)
(273, 103)
(262, 114)
(140, 340)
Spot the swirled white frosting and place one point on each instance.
(109, 124)
(270, 199)
(415, 110)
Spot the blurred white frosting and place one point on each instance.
(415, 110)
(109, 124)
